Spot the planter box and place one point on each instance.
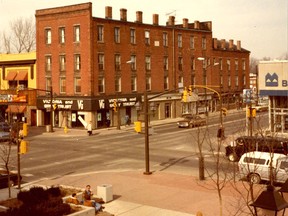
(105, 192)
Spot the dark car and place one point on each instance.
(4, 126)
(245, 144)
(4, 179)
(191, 121)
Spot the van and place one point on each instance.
(256, 166)
(245, 144)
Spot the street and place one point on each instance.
(172, 149)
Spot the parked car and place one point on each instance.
(191, 121)
(245, 144)
(257, 166)
(4, 179)
(4, 126)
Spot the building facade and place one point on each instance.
(18, 84)
(273, 82)
(93, 64)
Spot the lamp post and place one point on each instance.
(146, 117)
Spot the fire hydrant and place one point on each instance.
(65, 129)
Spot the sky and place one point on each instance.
(260, 25)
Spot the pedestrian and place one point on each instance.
(89, 128)
(88, 201)
(127, 120)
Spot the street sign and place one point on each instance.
(247, 95)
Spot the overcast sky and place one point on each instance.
(260, 25)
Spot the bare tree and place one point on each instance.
(6, 43)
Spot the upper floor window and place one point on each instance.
(77, 62)
(77, 33)
(180, 63)
(48, 62)
(165, 39)
(101, 62)
(193, 66)
(48, 36)
(166, 82)
(62, 62)
(117, 62)
(236, 81)
(61, 35)
(48, 83)
(228, 64)
(118, 84)
(133, 84)
(221, 63)
(77, 85)
(101, 85)
(192, 42)
(147, 37)
(132, 36)
(236, 64)
(244, 80)
(179, 40)
(148, 83)
(62, 85)
(133, 62)
(148, 63)
(243, 65)
(204, 43)
(229, 80)
(100, 33)
(166, 63)
(117, 35)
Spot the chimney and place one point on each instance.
(139, 16)
(123, 14)
(155, 19)
(185, 23)
(171, 21)
(108, 12)
(196, 24)
(215, 43)
(231, 44)
(238, 45)
(223, 43)
(209, 25)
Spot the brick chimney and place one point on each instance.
(171, 21)
(231, 44)
(196, 24)
(215, 43)
(139, 16)
(123, 14)
(155, 19)
(238, 45)
(108, 12)
(185, 23)
(223, 43)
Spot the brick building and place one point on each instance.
(92, 63)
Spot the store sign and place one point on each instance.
(12, 98)
(62, 104)
(124, 102)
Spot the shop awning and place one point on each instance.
(11, 75)
(22, 75)
(16, 108)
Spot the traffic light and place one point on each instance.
(253, 112)
(55, 106)
(250, 112)
(184, 95)
(224, 111)
(25, 129)
(115, 106)
(23, 147)
(190, 91)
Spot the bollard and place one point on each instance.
(65, 129)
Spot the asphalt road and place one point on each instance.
(172, 149)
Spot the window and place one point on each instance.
(101, 84)
(100, 31)
(244, 80)
(165, 39)
(48, 36)
(243, 65)
(148, 83)
(228, 64)
(147, 37)
(236, 81)
(77, 85)
(179, 40)
(62, 63)
(118, 84)
(148, 63)
(193, 66)
(204, 41)
(48, 84)
(62, 85)
(193, 79)
(229, 80)
(166, 82)
(180, 63)
(48, 62)
(117, 62)
(101, 62)
(62, 35)
(236, 64)
(166, 63)
(133, 84)
(132, 36)
(117, 35)
(77, 62)
(221, 80)
(77, 33)
(192, 42)
(221, 63)
(180, 79)
(133, 62)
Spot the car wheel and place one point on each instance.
(232, 157)
(254, 178)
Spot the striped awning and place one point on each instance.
(11, 75)
(22, 75)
